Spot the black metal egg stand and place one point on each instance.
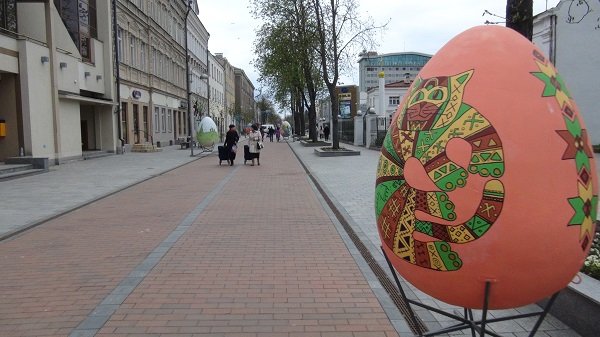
(467, 320)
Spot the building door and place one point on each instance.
(124, 124)
(85, 146)
(136, 124)
(145, 118)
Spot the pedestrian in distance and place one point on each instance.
(271, 133)
(231, 139)
(278, 134)
(255, 143)
(326, 132)
(320, 132)
(262, 133)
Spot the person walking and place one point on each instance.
(326, 132)
(278, 133)
(271, 133)
(255, 143)
(231, 139)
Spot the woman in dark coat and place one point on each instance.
(231, 139)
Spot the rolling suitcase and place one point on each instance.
(223, 155)
(247, 154)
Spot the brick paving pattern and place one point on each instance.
(262, 259)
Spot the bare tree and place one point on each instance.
(340, 33)
(519, 16)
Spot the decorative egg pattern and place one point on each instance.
(206, 132)
(486, 174)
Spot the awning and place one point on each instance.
(80, 98)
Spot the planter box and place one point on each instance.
(578, 306)
(337, 153)
(309, 143)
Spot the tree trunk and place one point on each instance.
(519, 16)
(335, 110)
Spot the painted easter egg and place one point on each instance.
(286, 129)
(487, 176)
(206, 132)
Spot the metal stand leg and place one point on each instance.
(467, 321)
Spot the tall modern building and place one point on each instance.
(56, 79)
(396, 66)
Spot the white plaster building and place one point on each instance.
(216, 95)
(56, 83)
(152, 68)
(569, 34)
(198, 38)
(393, 94)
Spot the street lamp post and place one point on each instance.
(187, 81)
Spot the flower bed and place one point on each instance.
(591, 266)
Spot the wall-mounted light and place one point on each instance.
(62, 65)
(98, 77)
(44, 59)
(86, 74)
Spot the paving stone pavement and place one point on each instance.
(202, 250)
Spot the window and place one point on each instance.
(163, 119)
(8, 15)
(79, 16)
(145, 121)
(124, 130)
(394, 100)
(132, 50)
(170, 121)
(142, 55)
(156, 120)
(120, 43)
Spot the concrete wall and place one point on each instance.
(9, 61)
(95, 80)
(9, 145)
(36, 100)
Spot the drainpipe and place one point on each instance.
(53, 80)
(117, 72)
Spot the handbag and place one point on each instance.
(259, 145)
(234, 149)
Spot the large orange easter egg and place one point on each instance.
(487, 174)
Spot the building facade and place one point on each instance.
(56, 74)
(151, 53)
(228, 89)
(216, 96)
(198, 38)
(397, 67)
(569, 34)
(245, 105)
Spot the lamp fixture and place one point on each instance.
(62, 65)
(98, 77)
(86, 74)
(44, 59)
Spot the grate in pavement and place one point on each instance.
(417, 328)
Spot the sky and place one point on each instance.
(414, 26)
